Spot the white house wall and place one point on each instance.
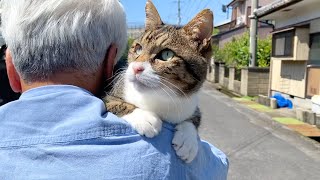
(289, 77)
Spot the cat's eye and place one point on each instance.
(167, 55)
(138, 49)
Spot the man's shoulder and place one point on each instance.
(213, 162)
(96, 139)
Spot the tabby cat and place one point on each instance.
(167, 67)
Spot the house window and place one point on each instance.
(315, 49)
(282, 44)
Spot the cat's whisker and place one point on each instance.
(168, 107)
(116, 78)
(154, 81)
(179, 108)
(124, 68)
(172, 102)
(115, 75)
(167, 81)
(175, 92)
(117, 85)
(196, 79)
(155, 91)
(173, 85)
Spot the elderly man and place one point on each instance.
(59, 54)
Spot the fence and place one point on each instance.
(237, 74)
(245, 81)
(226, 71)
(135, 31)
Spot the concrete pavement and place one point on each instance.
(258, 148)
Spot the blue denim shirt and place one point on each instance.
(64, 132)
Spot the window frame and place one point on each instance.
(310, 44)
(283, 35)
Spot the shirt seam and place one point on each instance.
(68, 137)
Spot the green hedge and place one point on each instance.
(236, 52)
(125, 53)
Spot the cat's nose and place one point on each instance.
(137, 69)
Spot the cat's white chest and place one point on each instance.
(167, 106)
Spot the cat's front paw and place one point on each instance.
(185, 141)
(144, 122)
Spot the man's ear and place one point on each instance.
(110, 61)
(13, 76)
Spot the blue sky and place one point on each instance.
(168, 10)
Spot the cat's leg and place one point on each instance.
(185, 140)
(118, 106)
(144, 122)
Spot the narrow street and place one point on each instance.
(257, 147)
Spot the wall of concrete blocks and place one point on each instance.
(225, 82)
(237, 86)
(254, 81)
(231, 78)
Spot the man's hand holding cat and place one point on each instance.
(144, 122)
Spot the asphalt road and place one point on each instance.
(257, 147)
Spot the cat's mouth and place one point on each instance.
(142, 77)
(138, 84)
(143, 83)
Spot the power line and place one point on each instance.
(206, 4)
(197, 9)
(171, 14)
(220, 2)
(190, 12)
(199, 6)
(187, 7)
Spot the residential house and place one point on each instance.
(240, 22)
(295, 62)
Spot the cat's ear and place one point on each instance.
(200, 27)
(153, 20)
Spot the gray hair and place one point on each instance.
(50, 36)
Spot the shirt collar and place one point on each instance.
(49, 89)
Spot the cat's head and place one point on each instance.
(168, 58)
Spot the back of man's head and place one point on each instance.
(51, 36)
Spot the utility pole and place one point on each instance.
(253, 34)
(179, 13)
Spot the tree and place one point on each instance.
(236, 52)
(215, 31)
